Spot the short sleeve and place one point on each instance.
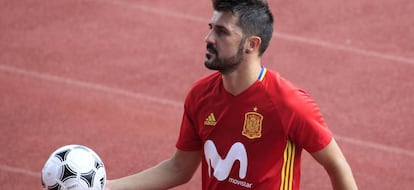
(188, 139)
(307, 126)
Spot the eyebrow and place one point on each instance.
(220, 27)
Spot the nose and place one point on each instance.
(209, 38)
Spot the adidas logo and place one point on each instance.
(210, 120)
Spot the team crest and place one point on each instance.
(252, 128)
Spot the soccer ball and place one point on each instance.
(73, 167)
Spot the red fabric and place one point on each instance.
(214, 121)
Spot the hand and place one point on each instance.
(107, 185)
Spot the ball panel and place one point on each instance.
(52, 171)
(80, 160)
(75, 184)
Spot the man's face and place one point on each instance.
(225, 43)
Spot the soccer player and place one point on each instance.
(245, 124)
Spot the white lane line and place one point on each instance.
(283, 36)
(167, 102)
(17, 170)
(90, 85)
(351, 49)
(376, 146)
(163, 12)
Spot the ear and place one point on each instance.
(253, 44)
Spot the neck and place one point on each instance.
(242, 78)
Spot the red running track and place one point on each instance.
(112, 75)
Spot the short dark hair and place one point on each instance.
(255, 18)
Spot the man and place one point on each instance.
(245, 124)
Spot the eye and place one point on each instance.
(220, 31)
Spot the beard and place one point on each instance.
(223, 65)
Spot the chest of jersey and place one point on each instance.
(244, 140)
(250, 117)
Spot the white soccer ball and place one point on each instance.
(74, 167)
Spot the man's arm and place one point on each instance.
(175, 171)
(334, 162)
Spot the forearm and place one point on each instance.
(338, 169)
(161, 176)
(342, 177)
(175, 171)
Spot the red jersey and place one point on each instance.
(253, 140)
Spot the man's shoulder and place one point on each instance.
(274, 82)
(286, 92)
